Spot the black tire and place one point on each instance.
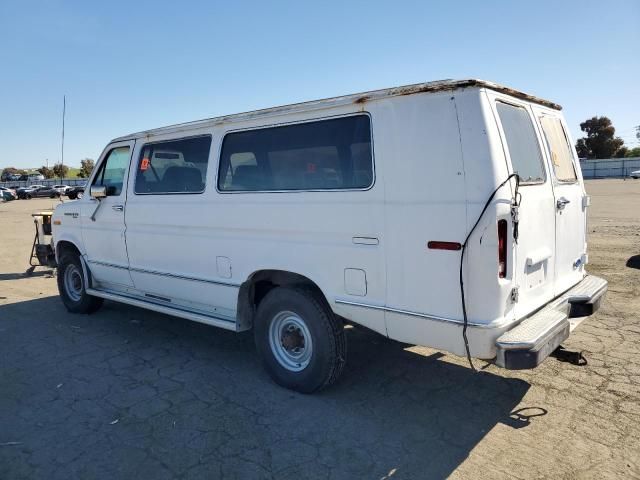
(328, 353)
(29, 197)
(79, 301)
(79, 195)
(72, 195)
(52, 196)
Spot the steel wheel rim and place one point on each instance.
(73, 282)
(290, 341)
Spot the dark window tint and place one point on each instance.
(524, 150)
(177, 166)
(328, 154)
(112, 170)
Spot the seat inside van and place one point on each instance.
(246, 177)
(181, 179)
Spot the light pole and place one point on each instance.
(64, 108)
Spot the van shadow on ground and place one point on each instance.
(24, 275)
(634, 262)
(126, 392)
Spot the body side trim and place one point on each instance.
(419, 314)
(227, 324)
(166, 274)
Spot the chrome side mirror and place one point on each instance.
(98, 191)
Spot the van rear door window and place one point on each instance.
(559, 149)
(523, 146)
(322, 155)
(176, 166)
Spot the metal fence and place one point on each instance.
(51, 181)
(609, 168)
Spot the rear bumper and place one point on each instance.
(533, 339)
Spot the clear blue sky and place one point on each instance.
(127, 66)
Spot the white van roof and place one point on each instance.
(435, 86)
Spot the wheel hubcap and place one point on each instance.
(290, 341)
(73, 282)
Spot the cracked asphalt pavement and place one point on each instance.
(127, 393)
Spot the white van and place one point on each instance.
(448, 214)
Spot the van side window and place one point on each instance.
(321, 155)
(523, 146)
(176, 166)
(111, 173)
(559, 149)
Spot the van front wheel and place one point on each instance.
(300, 341)
(71, 285)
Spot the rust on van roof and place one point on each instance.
(358, 98)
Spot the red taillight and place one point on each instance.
(502, 248)
(437, 245)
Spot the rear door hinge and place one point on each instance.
(514, 295)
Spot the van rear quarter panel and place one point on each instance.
(487, 296)
(419, 144)
(442, 162)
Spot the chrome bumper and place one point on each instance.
(533, 339)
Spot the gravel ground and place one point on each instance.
(128, 393)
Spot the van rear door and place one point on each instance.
(570, 206)
(532, 272)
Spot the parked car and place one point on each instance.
(48, 192)
(35, 177)
(76, 192)
(61, 189)
(635, 174)
(451, 227)
(8, 194)
(23, 191)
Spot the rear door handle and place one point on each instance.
(118, 208)
(561, 203)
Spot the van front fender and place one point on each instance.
(67, 240)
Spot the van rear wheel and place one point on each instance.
(71, 285)
(300, 341)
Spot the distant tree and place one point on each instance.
(11, 171)
(46, 171)
(634, 152)
(621, 152)
(638, 132)
(8, 171)
(86, 167)
(582, 149)
(60, 170)
(600, 141)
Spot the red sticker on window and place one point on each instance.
(144, 164)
